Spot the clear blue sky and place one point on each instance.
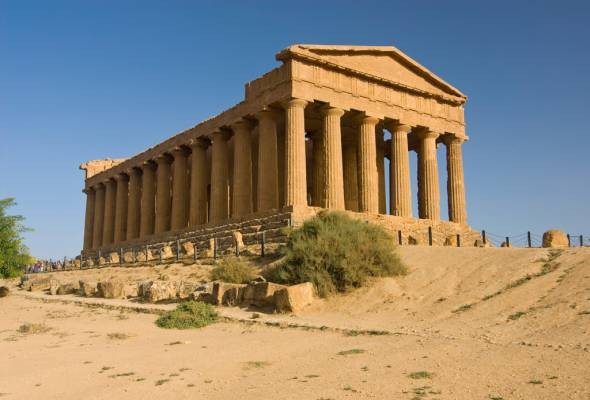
(83, 80)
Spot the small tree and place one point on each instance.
(14, 255)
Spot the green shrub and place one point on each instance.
(190, 314)
(233, 270)
(336, 253)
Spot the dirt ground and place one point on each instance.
(463, 324)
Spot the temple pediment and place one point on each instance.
(380, 63)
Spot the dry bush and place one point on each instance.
(336, 252)
(190, 314)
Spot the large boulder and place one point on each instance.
(141, 255)
(4, 291)
(167, 252)
(101, 261)
(188, 248)
(294, 298)
(114, 258)
(159, 291)
(128, 257)
(88, 288)
(555, 238)
(260, 294)
(227, 294)
(185, 290)
(130, 290)
(111, 289)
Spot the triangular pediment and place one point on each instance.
(385, 63)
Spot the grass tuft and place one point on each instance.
(420, 375)
(351, 351)
(33, 329)
(233, 270)
(190, 314)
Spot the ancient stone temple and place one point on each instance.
(310, 134)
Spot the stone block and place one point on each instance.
(185, 290)
(114, 258)
(128, 257)
(294, 298)
(66, 288)
(160, 291)
(130, 290)
(88, 288)
(101, 261)
(555, 238)
(111, 289)
(4, 291)
(167, 252)
(188, 249)
(227, 294)
(34, 285)
(261, 294)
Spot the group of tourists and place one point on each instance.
(46, 266)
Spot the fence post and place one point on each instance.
(483, 236)
(215, 248)
(458, 240)
(121, 256)
(569, 241)
(237, 248)
(177, 249)
(262, 243)
(160, 254)
(195, 249)
(98, 260)
(146, 253)
(134, 255)
(528, 237)
(581, 240)
(430, 236)
(399, 237)
(507, 241)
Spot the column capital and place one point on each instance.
(294, 102)
(98, 186)
(149, 164)
(328, 110)
(201, 142)
(179, 151)
(267, 113)
(163, 158)
(398, 126)
(133, 171)
(218, 135)
(242, 124)
(366, 119)
(108, 181)
(121, 177)
(452, 138)
(88, 190)
(425, 133)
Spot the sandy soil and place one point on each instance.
(530, 340)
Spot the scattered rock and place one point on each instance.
(38, 284)
(53, 286)
(505, 244)
(555, 238)
(261, 294)
(167, 252)
(114, 258)
(238, 239)
(143, 288)
(4, 291)
(66, 288)
(185, 290)
(227, 294)
(188, 248)
(413, 240)
(128, 257)
(294, 298)
(130, 290)
(88, 288)
(480, 243)
(141, 256)
(451, 240)
(101, 261)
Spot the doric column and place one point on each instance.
(318, 169)
(179, 188)
(242, 180)
(399, 172)
(98, 216)
(455, 182)
(380, 153)
(89, 218)
(163, 194)
(121, 204)
(199, 181)
(108, 229)
(148, 199)
(219, 177)
(134, 206)
(332, 159)
(368, 173)
(350, 173)
(268, 166)
(428, 190)
(295, 177)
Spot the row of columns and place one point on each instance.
(158, 196)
